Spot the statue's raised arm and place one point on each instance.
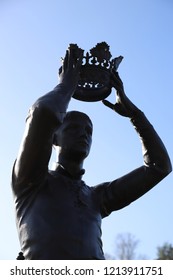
(157, 163)
(44, 118)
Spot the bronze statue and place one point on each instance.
(58, 215)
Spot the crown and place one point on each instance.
(94, 82)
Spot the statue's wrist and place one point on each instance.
(137, 115)
(64, 89)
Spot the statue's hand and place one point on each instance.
(69, 71)
(123, 105)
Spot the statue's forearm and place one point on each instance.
(55, 101)
(154, 151)
(126, 189)
(44, 117)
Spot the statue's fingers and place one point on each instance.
(65, 61)
(121, 110)
(108, 104)
(70, 57)
(60, 70)
(116, 80)
(118, 109)
(79, 62)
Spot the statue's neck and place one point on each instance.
(71, 166)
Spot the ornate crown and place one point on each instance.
(94, 82)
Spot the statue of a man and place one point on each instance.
(58, 215)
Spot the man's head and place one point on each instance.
(74, 137)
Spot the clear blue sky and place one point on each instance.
(34, 35)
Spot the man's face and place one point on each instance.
(75, 136)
